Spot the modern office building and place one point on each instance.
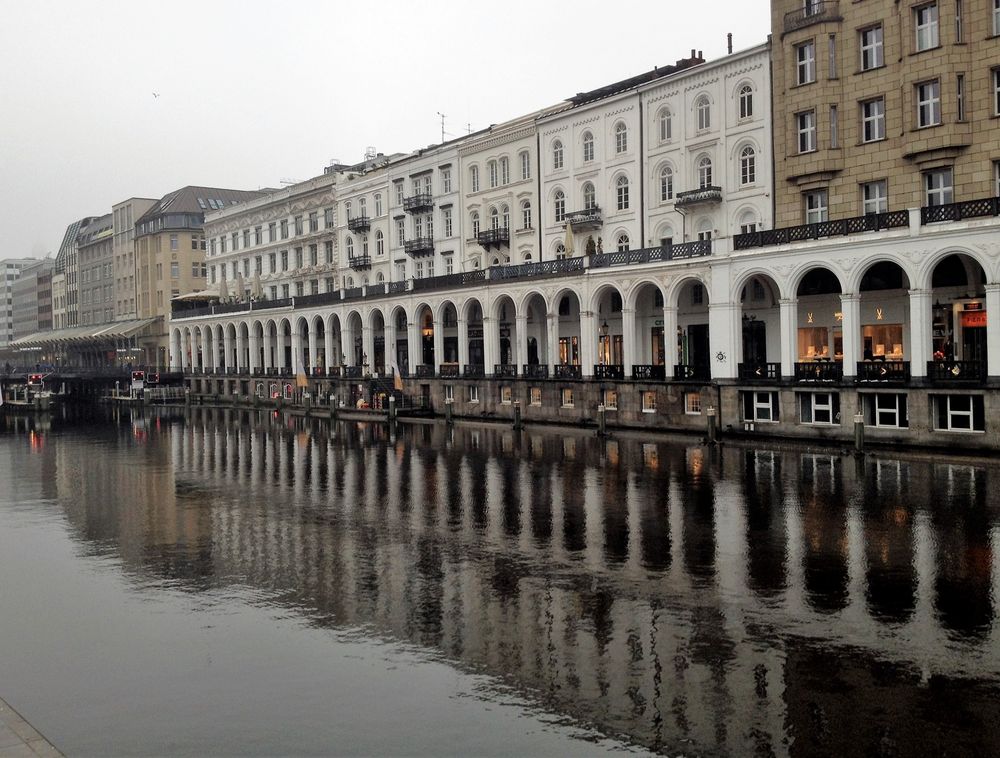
(32, 298)
(96, 271)
(10, 270)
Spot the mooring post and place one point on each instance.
(602, 421)
(713, 429)
(517, 415)
(187, 397)
(859, 434)
(392, 408)
(447, 411)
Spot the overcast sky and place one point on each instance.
(253, 93)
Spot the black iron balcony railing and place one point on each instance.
(760, 372)
(395, 287)
(473, 371)
(709, 194)
(424, 371)
(418, 202)
(819, 371)
(568, 371)
(535, 371)
(352, 372)
(696, 249)
(609, 371)
(359, 262)
(334, 371)
(494, 237)
(692, 372)
(970, 372)
(589, 218)
(873, 222)
(883, 371)
(988, 206)
(449, 370)
(359, 224)
(419, 247)
(542, 268)
(812, 12)
(505, 371)
(649, 373)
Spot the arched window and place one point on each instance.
(704, 172)
(666, 184)
(494, 219)
(704, 110)
(748, 222)
(666, 235)
(621, 190)
(557, 155)
(746, 101)
(350, 247)
(364, 244)
(504, 171)
(525, 214)
(378, 204)
(527, 258)
(704, 230)
(589, 197)
(560, 251)
(525, 165)
(622, 243)
(379, 243)
(492, 166)
(666, 122)
(505, 216)
(349, 282)
(474, 178)
(559, 203)
(748, 165)
(347, 209)
(588, 147)
(621, 137)
(379, 277)
(474, 223)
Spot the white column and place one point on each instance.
(628, 340)
(279, 350)
(211, 351)
(239, 349)
(438, 345)
(175, 352)
(918, 352)
(723, 331)
(463, 343)
(296, 352)
(413, 347)
(491, 344)
(389, 345)
(789, 337)
(267, 350)
(850, 306)
(254, 352)
(312, 346)
(521, 346)
(553, 341)
(227, 349)
(367, 347)
(347, 345)
(328, 346)
(670, 338)
(993, 329)
(588, 342)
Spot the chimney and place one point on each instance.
(729, 42)
(699, 56)
(692, 52)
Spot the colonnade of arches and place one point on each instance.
(887, 310)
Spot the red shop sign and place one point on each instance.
(973, 318)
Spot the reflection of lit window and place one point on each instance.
(651, 455)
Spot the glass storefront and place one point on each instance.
(882, 342)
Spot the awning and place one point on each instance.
(83, 335)
(198, 297)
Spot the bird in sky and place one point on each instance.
(156, 95)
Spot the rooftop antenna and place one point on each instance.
(442, 125)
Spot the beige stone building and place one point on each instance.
(125, 214)
(881, 105)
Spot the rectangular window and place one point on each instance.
(313, 221)
(805, 62)
(446, 180)
(535, 396)
(816, 206)
(473, 393)
(174, 243)
(958, 21)
(525, 165)
(996, 92)
(272, 232)
(873, 120)
(284, 260)
(819, 408)
(806, 127)
(884, 410)
(871, 48)
(449, 392)
(960, 96)
(928, 103)
(299, 289)
(400, 232)
(610, 399)
(996, 18)
(926, 23)
(399, 192)
(284, 229)
(832, 54)
(834, 127)
(298, 225)
(692, 403)
(959, 413)
(874, 197)
(649, 401)
(328, 218)
(175, 270)
(996, 175)
(566, 395)
(506, 395)
(938, 187)
(760, 406)
(446, 217)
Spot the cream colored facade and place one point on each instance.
(898, 100)
(125, 214)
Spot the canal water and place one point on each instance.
(233, 582)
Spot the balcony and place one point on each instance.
(417, 203)
(649, 373)
(614, 372)
(819, 371)
(812, 12)
(535, 371)
(989, 206)
(424, 371)
(956, 372)
(359, 262)
(505, 371)
(352, 372)
(473, 371)
(697, 372)
(760, 372)
(568, 371)
(359, 224)
(494, 238)
(883, 372)
(419, 247)
(449, 371)
(585, 219)
(702, 196)
(694, 249)
(843, 227)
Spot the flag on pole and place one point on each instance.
(1, 394)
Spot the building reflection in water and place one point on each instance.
(690, 598)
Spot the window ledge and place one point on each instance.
(960, 431)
